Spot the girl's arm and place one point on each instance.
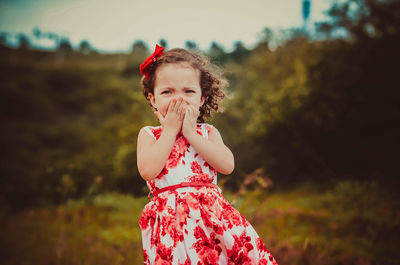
(213, 149)
(151, 154)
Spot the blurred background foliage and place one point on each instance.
(312, 125)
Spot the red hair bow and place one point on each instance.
(144, 67)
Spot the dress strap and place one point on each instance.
(204, 130)
(184, 184)
(148, 130)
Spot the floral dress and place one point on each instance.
(195, 225)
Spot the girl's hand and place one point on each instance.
(172, 121)
(190, 120)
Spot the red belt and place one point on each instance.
(182, 185)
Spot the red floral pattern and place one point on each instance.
(208, 128)
(178, 151)
(199, 174)
(196, 225)
(210, 167)
(156, 132)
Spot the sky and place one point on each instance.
(114, 25)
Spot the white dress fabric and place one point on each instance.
(195, 225)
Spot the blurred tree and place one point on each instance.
(191, 45)
(265, 38)
(124, 169)
(240, 52)
(37, 33)
(163, 43)
(298, 33)
(49, 35)
(262, 47)
(266, 35)
(64, 46)
(139, 47)
(23, 41)
(317, 110)
(310, 114)
(362, 19)
(52, 36)
(3, 38)
(84, 47)
(217, 53)
(94, 190)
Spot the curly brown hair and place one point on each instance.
(212, 82)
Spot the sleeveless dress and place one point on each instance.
(195, 225)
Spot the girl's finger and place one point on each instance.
(171, 105)
(191, 110)
(178, 105)
(159, 116)
(187, 113)
(182, 113)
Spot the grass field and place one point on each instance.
(351, 223)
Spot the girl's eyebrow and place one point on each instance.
(165, 88)
(169, 87)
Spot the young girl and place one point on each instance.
(188, 221)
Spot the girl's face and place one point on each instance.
(174, 80)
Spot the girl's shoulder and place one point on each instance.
(207, 125)
(153, 131)
(205, 128)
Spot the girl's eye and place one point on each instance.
(190, 91)
(165, 92)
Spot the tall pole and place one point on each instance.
(306, 7)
